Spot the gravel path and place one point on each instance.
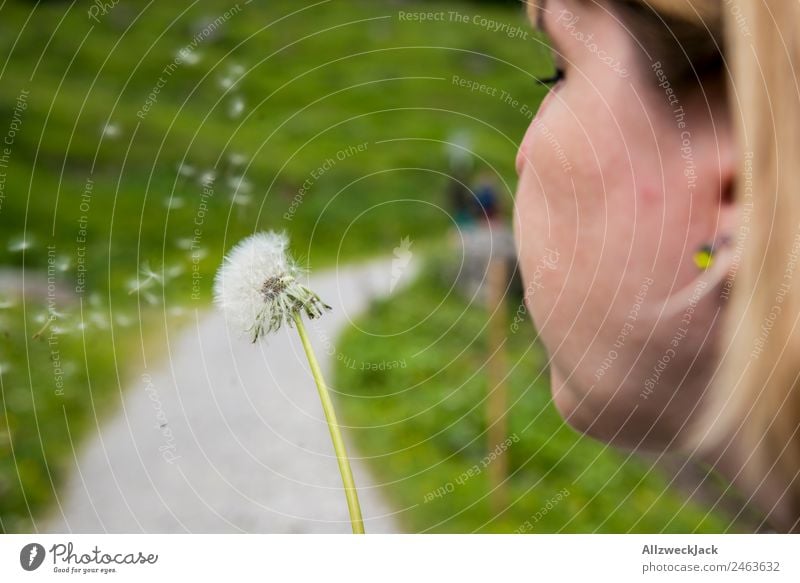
(227, 436)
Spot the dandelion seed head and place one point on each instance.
(257, 289)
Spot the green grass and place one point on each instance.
(422, 427)
(338, 74)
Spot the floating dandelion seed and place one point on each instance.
(63, 263)
(59, 330)
(147, 277)
(123, 320)
(241, 199)
(235, 72)
(112, 130)
(46, 320)
(184, 243)
(98, 319)
(257, 289)
(95, 299)
(236, 159)
(187, 170)
(21, 243)
(172, 272)
(235, 107)
(173, 202)
(176, 311)
(207, 178)
(240, 184)
(188, 57)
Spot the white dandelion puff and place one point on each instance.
(257, 288)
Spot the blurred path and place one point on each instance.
(226, 436)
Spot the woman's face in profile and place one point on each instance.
(619, 186)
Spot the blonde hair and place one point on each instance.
(754, 401)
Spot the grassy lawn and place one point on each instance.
(412, 387)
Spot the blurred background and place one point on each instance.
(141, 140)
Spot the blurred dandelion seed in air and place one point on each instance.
(173, 203)
(98, 319)
(236, 159)
(187, 170)
(235, 107)
(112, 130)
(240, 184)
(123, 320)
(207, 178)
(21, 243)
(257, 289)
(241, 199)
(188, 57)
(63, 263)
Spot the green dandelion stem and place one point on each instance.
(336, 436)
